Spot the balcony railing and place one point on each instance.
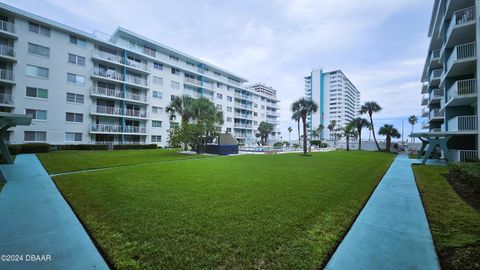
(106, 92)
(436, 74)
(7, 51)
(437, 93)
(273, 113)
(6, 99)
(245, 106)
(425, 125)
(136, 80)
(112, 74)
(199, 83)
(463, 123)
(462, 155)
(461, 52)
(118, 111)
(240, 125)
(242, 115)
(461, 88)
(424, 101)
(244, 96)
(6, 75)
(8, 27)
(424, 88)
(104, 128)
(108, 56)
(436, 113)
(424, 112)
(461, 17)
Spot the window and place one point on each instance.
(229, 119)
(175, 71)
(75, 79)
(217, 74)
(255, 123)
(156, 138)
(75, 98)
(39, 29)
(229, 98)
(229, 109)
(173, 58)
(38, 50)
(35, 136)
(175, 85)
(74, 117)
(157, 110)
(156, 124)
(229, 130)
(37, 114)
(78, 41)
(76, 59)
(172, 97)
(219, 107)
(219, 96)
(219, 85)
(37, 92)
(157, 80)
(157, 94)
(263, 107)
(39, 72)
(255, 114)
(157, 66)
(173, 124)
(73, 137)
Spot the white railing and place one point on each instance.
(461, 17)
(6, 75)
(424, 88)
(109, 74)
(436, 113)
(424, 101)
(8, 27)
(425, 125)
(462, 87)
(6, 99)
(230, 81)
(7, 51)
(106, 92)
(245, 106)
(137, 65)
(106, 110)
(104, 128)
(462, 155)
(269, 112)
(435, 55)
(437, 93)
(463, 123)
(424, 112)
(436, 74)
(135, 113)
(136, 80)
(119, 59)
(241, 115)
(240, 95)
(240, 125)
(461, 52)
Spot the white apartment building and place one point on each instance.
(337, 98)
(450, 77)
(85, 88)
(269, 108)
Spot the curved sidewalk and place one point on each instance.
(392, 230)
(36, 220)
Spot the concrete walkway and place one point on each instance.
(392, 230)
(36, 220)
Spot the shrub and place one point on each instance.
(467, 173)
(318, 143)
(83, 147)
(278, 144)
(14, 149)
(295, 145)
(134, 146)
(28, 148)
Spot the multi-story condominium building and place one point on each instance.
(269, 110)
(337, 98)
(450, 76)
(87, 88)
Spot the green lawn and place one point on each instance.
(455, 225)
(67, 161)
(243, 212)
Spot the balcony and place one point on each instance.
(199, 83)
(272, 113)
(117, 111)
(462, 155)
(117, 94)
(7, 76)
(435, 59)
(112, 75)
(462, 61)
(104, 128)
(6, 100)
(425, 125)
(8, 29)
(272, 121)
(244, 106)
(461, 93)
(119, 60)
(463, 123)
(435, 96)
(7, 52)
(435, 76)
(240, 125)
(436, 115)
(243, 115)
(425, 87)
(461, 27)
(424, 112)
(424, 101)
(243, 96)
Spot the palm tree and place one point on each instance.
(304, 107)
(390, 132)
(349, 131)
(296, 117)
(359, 123)
(369, 108)
(314, 134)
(181, 105)
(264, 129)
(320, 130)
(331, 127)
(289, 131)
(412, 120)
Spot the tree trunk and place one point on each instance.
(387, 147)
(304, 121)
(360, 139)
(348, 142)
(298, 129)
(373, 132)
(413, 138)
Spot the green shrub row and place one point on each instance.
(83, 147)
(28, 148)
(467, 173)
(134, 146)
(318, 143)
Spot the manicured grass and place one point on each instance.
(251, 211)
(67, 161)
(455, 225)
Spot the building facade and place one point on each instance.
(337, 98)
(450, 76)
(85, 88)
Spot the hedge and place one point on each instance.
(134, 146)
(318, 143)
(29, 148)
(467, 173)
(83, 147)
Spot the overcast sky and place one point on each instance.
(380, 45)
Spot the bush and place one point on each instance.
(134, 146)
(29, 148)
(467, 173)
(318, 143)
(14, 149)
(295, 145)
(83, 147)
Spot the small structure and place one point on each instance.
(432, 140)
(8, 120)
(224, 144)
